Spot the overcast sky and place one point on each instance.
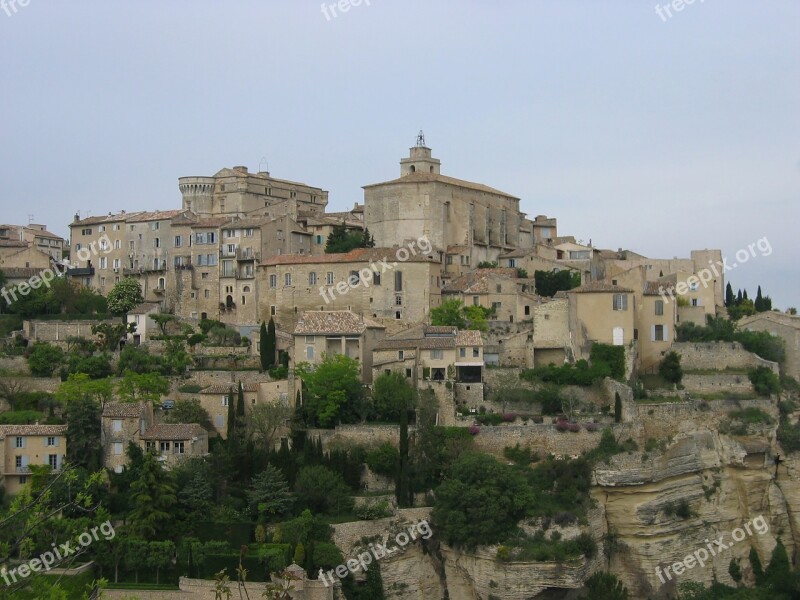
(658, 134)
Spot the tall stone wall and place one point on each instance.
(718, 356)
(60, 331)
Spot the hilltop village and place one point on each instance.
(255, 392)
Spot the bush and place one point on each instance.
(44, 359)
(579, 374)
(520, 455)
(611, 356)
(765, 381)
(670, 368)
(550, 399)
(751, 415)
(489, 419)
(383, 460)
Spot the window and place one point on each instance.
(272, 310)
(273, 281)
(659, 307)
(310, 352)
(219, 421)
(408, 373)
(312, 278)
(318, 239)
(157, 243)
(620, 302)
(287, 279)
(512, 263)
(476, 301)
(400, 355)
(116, 425)
(178, 241)
(150, 446)
(116, 227)
(695, 302)
(398, 281)
(398, 300)
(225, 400)
(164, 446)
(329, 278)
(462, 352)
(618, 336)
(52, 460)
(19, 442)
(23, 480)
(437, 354)
(117, 244)
(116, 263)
(476, 352)
(51, 441)
(658, 333)
(376, 278)
(448, 259)
(86, 232)
(179, 448)
(155, 226)
(496, 306)
(694, 286)
(117, 448)
(527, 310)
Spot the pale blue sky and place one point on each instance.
(635, 132)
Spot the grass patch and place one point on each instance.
(662, 400)
(751, 416)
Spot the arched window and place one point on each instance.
(246, 289)
(413, 168)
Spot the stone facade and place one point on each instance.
(786, 327)
(719, 356)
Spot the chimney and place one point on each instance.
(240, 169)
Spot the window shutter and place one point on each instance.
(24, 442)
(666, 333)
(57, 441)
(652, 333)
(24, 461)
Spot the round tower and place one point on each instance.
(197, 193)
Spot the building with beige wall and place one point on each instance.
(787, 327)
(16, 254)
(656, 318)
(173, 443)
(122, 423)
(359, 281)
(36, 236)
(448, 211)
(509, 297)
(24, 446)
(600, 312)
(325, 333)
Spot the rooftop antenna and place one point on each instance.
(30, 219)
(263, 161)
(420, 139)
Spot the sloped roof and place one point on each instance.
(657, 288)
(111, 218)
(420, 177)
(599, 287)
(156, 215)
(123, 410)
(222, 388)
(333, 322)
(33, 429)
(359, 255)
(169, 431)
(145, 308)
(469, 337)
(441, 338)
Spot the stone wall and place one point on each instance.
(59, 331)
(14, 364)
(718, 356)
(542, 438)
(207, 378)
(363, 435)
(720, 382)
(347, 536)
(201, 589)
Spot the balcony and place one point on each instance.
(24, 470)
(81, 272)
(246, 254)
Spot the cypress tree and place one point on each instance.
(739, 297)
(231, 417)
(240, 402)
(729, 297)
(262, 346)
(617, 408)
(403, 493)
(744, 295)
(755, 563)
(759, 303)
(272, 343)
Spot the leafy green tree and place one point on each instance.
(189, 411)
(264, 422)
(322, 491)
(267, 345)
(83, 441)
(480, 501)
(670, 368)
(765, 381)
(159, 556)
(549, 283)
(44, 359)
(142, 387)
(176, 359)
(110, 335)
(125, 295)
(163, 320)
(391, 394)
(80, 385)
(453, 313)
(137, 359)
(269, 497)
(342, 239)
(13, 389)
(333, 390)
(153, 498)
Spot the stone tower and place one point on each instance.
(420, 160)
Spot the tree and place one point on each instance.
(670, 368)
(333, 390)
(126, 294)
(176, 359)
(189, 411)
(159, 555)
(403, 487)
(240, 405)
(142, 387)
(322, 491)
(605, 586)
(341, 239)
(755, 564)
(730, 299)
(453, 313)
(83, 442)
(617, 407)
(267, 344)
(269, 497)
(112, 334)
(162, 320)
(265, 421)
(153, 497)
(480, 501)
(231, 429)
(12, 389)
(44, 359)
(549, 283)
(80, 385)
(391, 394)
(759, 302)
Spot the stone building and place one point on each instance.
(35, 236)
(600, 312)
(784, 326)
(324, 333)
(367, 281)
(122, 423)
(510, 297)
(175, 443)
(19, 260)
(450, 212)
(24, 445)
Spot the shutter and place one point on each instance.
(24, 461)
(57, 441)
(24, 442)
(666, 333)
(652, 333)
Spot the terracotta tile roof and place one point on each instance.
(440, 329)
(13, 244)
(123, 410)
(359, 255)
(156, 215)
(144, 308)
(33, 430)
(656, 288)
(45, 234)
(20, 272)
(340, 322)
(222, 388)
(469, 337)
(599, 287)
(228, 172)
(110, 218)
(420, 177)
(177, 431)
(457, 249)
(477, 282)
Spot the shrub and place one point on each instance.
(550, 399)
(764, 380)
(611, 356)
(474, 430)
(509, 417)
(489, 419)
(591, 427)
(383, 460)
(670, 368)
